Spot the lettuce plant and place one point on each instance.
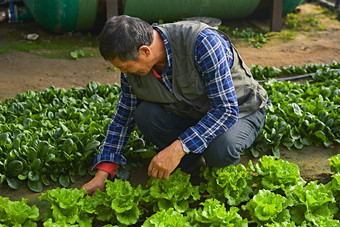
(51, 223)
(281, 224)
(273, 174)
(334, 187)
(68, 206)
(213, 213)
(230, 183)
(310, 202)
(169, 218)
(318, 221)
(268, 207)
(119, 203)
(176, 192)
(17, 213)
(334, 163)
(325, 221)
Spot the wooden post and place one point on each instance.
(276, 24)
(111, 8)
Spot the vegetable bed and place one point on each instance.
(50, 138)
(269, 193)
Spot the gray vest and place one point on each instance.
(189, 97)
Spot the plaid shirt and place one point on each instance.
(214, 58)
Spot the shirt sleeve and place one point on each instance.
(109, 167)
(120, 127)
(214, 58)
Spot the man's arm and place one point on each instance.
(118, 133)
(214, 60)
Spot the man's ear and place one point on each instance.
(144, 50)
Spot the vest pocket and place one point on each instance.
(191, 86)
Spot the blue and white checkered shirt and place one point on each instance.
(214, 58)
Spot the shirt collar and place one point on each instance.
(168, 63)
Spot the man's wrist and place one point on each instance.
(185, 148)
(101, 174)
(108, 167)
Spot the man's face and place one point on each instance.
(141, 66)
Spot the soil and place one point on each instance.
(21, 71)
(309, 46)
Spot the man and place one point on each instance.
(189, 92)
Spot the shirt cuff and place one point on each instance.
(109, 167)
(185, 148)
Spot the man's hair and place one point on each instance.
(122, 36)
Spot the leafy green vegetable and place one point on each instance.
(213, 213)
(324, 221)
(176, 192)
(77, 54)
(69, 206)
(231, 183)
(301, 114)
(273, 174)
(334, 163)
(310, 202)
(268, 207)
(119, 203)
(334, 187)
(54, 134)
(281, 224)
(138, 151)
(168, 217)
(17, 213)
(50, 223)
(268, 72)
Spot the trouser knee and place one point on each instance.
(226, 149)
(222, 153)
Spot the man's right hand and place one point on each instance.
(98, 182)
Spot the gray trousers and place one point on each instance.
(162, 128)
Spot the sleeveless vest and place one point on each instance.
(189, 98)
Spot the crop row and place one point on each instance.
(269, 193)
(53, 135)
(301, 114)
(269, 72)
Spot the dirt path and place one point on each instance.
(21, 71)
(321, 46)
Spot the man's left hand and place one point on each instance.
(166, 161)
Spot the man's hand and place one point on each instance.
(166, 161)
(98, 182)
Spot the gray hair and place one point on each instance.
(122, 36)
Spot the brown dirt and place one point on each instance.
(309, 46)
(20, 71)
